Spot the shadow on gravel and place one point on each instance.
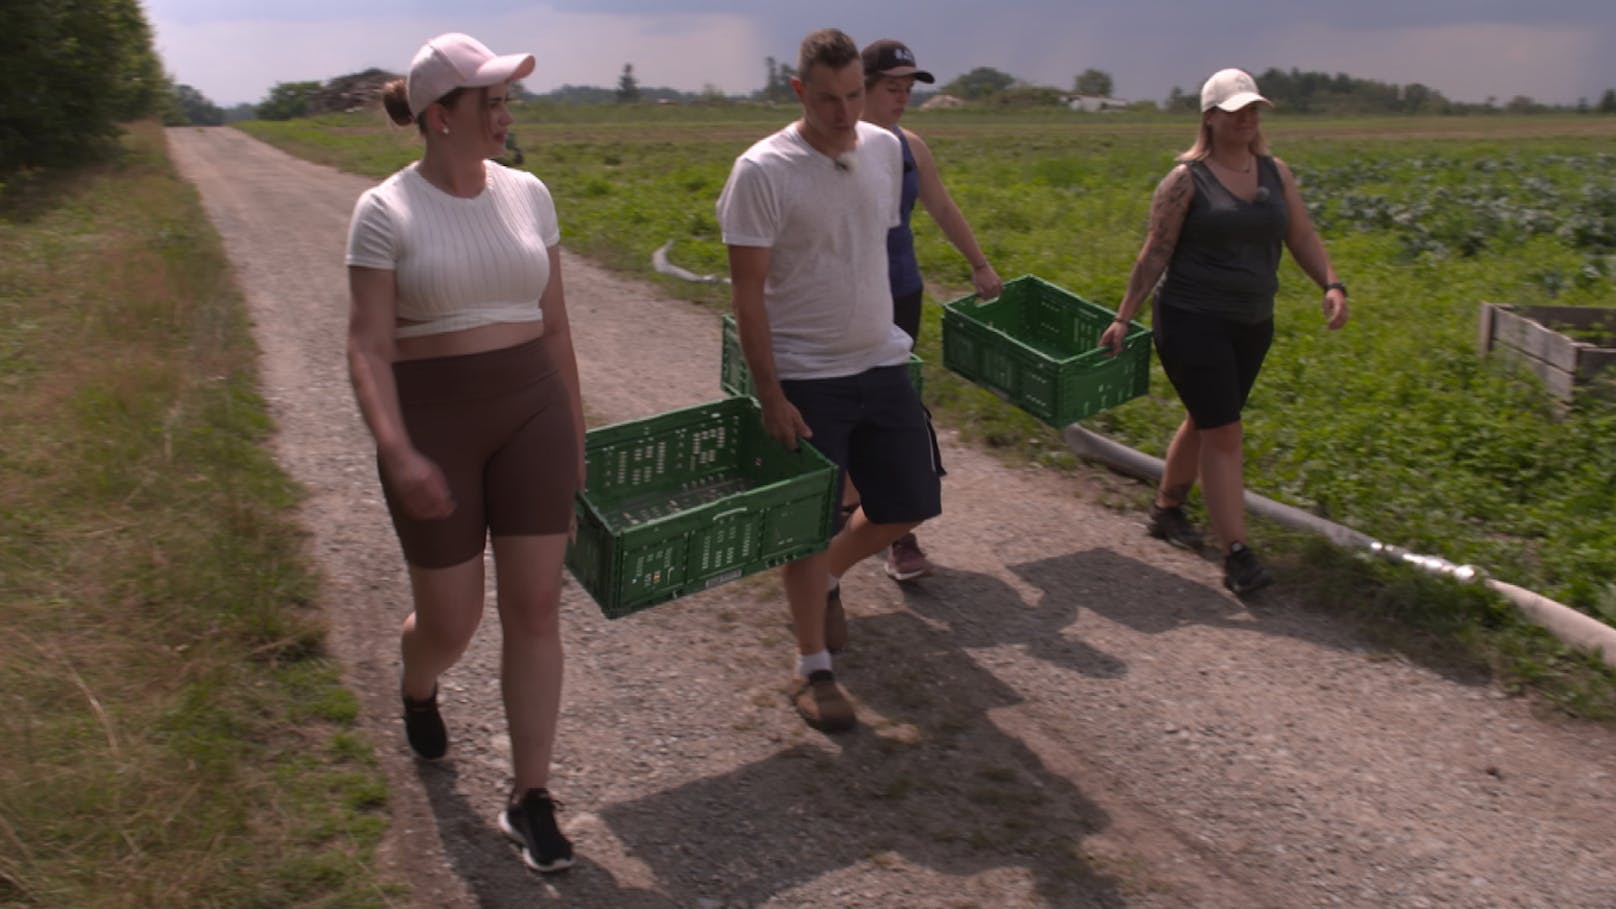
(928, 780)
(1151, 601)
(980, 610)
(1148, 600)
(491, 867)
(1129, 591)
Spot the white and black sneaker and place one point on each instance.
(531, 823)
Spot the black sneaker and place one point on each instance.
(423, 726)
(532, 824)
(1171, 525)
(1242, 573)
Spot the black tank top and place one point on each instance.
(1226, 262)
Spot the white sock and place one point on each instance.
(810, 663)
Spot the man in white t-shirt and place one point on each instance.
(805, 215)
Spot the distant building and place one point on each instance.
(1094, 103)
(942, 102)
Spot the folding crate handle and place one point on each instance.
(733, 511)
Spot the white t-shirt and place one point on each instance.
(825, 224)
(458, 263)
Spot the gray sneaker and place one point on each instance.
(1171, 525)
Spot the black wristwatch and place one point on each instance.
(1336, 285)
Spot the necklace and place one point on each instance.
(1236, 170)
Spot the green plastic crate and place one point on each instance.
(736, 379)
(691, 498)
(1036, 345)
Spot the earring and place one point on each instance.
(446, 130)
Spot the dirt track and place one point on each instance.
(1069, 715)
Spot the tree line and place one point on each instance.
(1296, 91)
(1293, 91)
(74, 70)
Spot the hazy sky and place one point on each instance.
(1470, 50)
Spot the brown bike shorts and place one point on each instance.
(499, 425)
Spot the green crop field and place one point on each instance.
(1394, 426)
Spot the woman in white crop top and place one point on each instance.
(463, 368)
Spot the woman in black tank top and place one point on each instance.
(1217, 222)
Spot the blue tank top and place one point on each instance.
(1226, 262)
(902, 269)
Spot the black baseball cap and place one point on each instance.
(893, 58)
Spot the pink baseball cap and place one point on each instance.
(453, 61)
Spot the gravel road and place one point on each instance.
(1069, 715)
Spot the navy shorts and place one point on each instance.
(906, 314)
(1211, 361)
(874, 428)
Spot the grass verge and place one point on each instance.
(171, 730)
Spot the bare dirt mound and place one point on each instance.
(1069, 715)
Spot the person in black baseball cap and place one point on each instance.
(894, 59)
(890, 73)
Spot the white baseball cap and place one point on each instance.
(453, 61)
(1230, 90)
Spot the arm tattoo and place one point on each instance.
(1167, 210)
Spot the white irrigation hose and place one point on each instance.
(1573, 628)
(1576, 629)
(659, 262)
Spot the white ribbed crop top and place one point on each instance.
(458, 263)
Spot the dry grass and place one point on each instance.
(170, 734)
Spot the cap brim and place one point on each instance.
(1242, 99)
(901, 71)
(504, 69)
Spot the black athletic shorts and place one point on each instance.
(1211, 361)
